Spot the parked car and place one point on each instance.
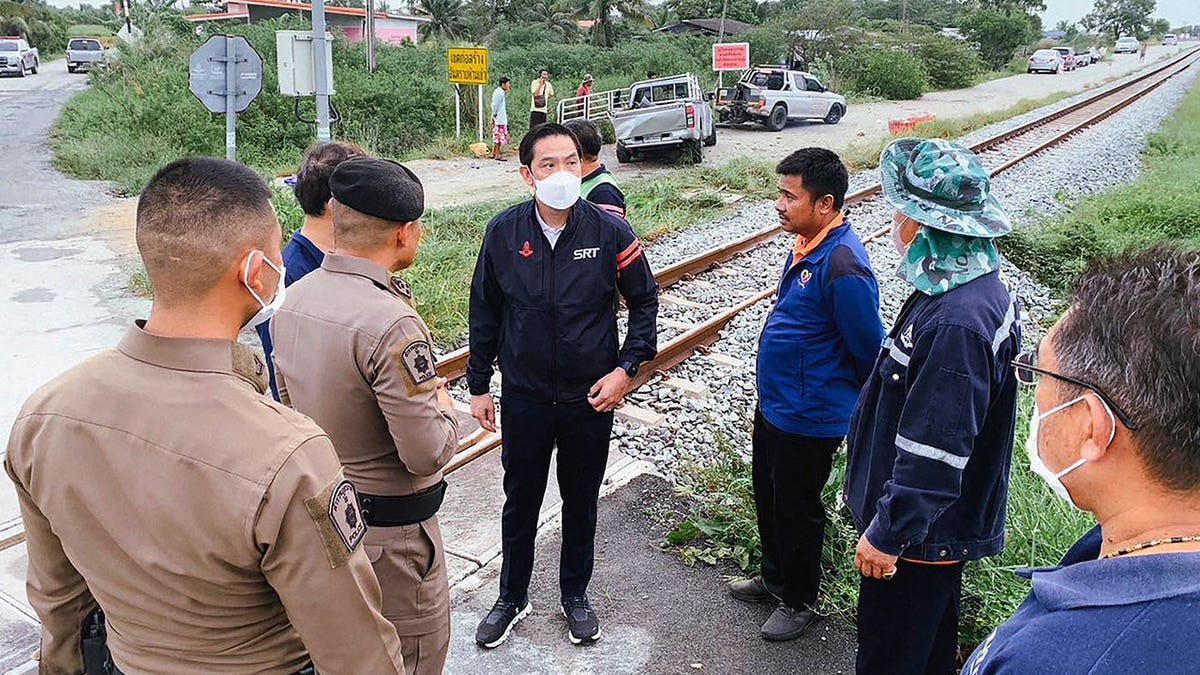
(1083, 59)
(17, 57)
(663, 113)
(1045, 61)
(84, 54)
(1068, 57)
(1127, 45)
(1170, 40)
(773, 95)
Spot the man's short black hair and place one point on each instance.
(544, 131)
(505, 80)
(822, 172)
(650, 75)
(1133, 330)
(195, 217)
(312, 180)
(590, 139)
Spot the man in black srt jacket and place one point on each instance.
(544, 299)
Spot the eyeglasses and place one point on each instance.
(1028, 373)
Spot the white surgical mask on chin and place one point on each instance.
(1054, 480)
(268, 308)
(560, 191)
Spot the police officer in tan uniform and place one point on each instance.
(351, 352)
(213, 526)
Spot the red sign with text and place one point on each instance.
(731, 56)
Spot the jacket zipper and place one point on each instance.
(553, 330)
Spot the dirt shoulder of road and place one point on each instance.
(458, 182)
(657, 615)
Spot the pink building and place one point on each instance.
(389, 28)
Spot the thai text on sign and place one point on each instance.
(468, 66)
(731, 56)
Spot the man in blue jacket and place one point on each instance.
(1114, 432)
(544, 299)
(931, 439)
(814, 354)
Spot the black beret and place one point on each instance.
(378, 187)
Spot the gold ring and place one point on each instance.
(890, 573)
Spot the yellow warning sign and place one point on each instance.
(468, 66)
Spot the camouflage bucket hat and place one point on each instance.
(941, 185)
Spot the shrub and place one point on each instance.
(950, 64)
(890, 74)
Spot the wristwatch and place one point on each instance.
(630, 368)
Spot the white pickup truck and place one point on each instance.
(773, 95)
(17, 57)
(662, 113)
(84, 54)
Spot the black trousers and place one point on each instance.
(789, 473)
(530, 433)
(536, 118)
(908, 625)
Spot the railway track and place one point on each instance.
(999, 152)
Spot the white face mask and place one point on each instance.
(560, 191)
(1054, 480)
(268, 308)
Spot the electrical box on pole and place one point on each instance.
(294, 51)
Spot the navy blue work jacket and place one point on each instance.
(931, 439)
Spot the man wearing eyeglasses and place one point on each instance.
(931, 438)
(1115, 433)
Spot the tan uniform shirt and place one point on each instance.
(351, 353)
(212, 525)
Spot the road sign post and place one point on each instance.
(467, 66)
(226, 75)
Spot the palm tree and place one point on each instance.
(601, 11)
(660, 16)
(556, 17)
(447, 19)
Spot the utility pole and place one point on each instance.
(720, 39)
(320, 70)
(904, 12)
(370, 36)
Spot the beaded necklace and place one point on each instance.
(1149, 544)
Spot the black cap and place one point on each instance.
(378, 187)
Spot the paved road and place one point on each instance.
(63, 295)
(463, 181)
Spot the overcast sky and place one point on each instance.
(1178, 12)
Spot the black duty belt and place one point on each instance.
(310, 669)
(381, 511)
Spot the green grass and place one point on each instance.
(721, 529)
(1163, 204)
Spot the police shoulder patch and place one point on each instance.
(339, 520)
(416, 360)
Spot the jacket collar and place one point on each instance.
(1084, 581)
(829, 238)
(196, 355)
(348, 264)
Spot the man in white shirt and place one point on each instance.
(500, 119)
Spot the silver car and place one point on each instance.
(1045, 61)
